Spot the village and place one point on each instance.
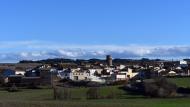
(103, 72)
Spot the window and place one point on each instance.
(75, 77)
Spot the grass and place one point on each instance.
(44, 98)
(47, 94)
(181, 82)
(100, 103)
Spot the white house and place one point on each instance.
(121, 76)
(124, 75)
(64, 74)
(80, 75)
(172, 73)
(95, 78)
(19, 72)
(120, 67)
(182, 62)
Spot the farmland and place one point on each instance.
(44, 98)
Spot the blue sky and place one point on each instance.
(34, 25)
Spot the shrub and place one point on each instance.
(121, 82)
(160, 87)
(32, 86)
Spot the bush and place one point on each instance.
(160, 87)
(93, 84)
(121, 82)
(32, 86)
(70, 83)
(183, 90)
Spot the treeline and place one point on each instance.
(92, 61)
(56, 60)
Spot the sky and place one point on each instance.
(40, 29)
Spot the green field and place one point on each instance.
(44, 98)
(101, 103)
(182, 82)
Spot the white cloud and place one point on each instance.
(24, 54)
(35, 50)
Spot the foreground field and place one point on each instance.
(44, 98)
(101, 103)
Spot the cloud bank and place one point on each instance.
(36, 50)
